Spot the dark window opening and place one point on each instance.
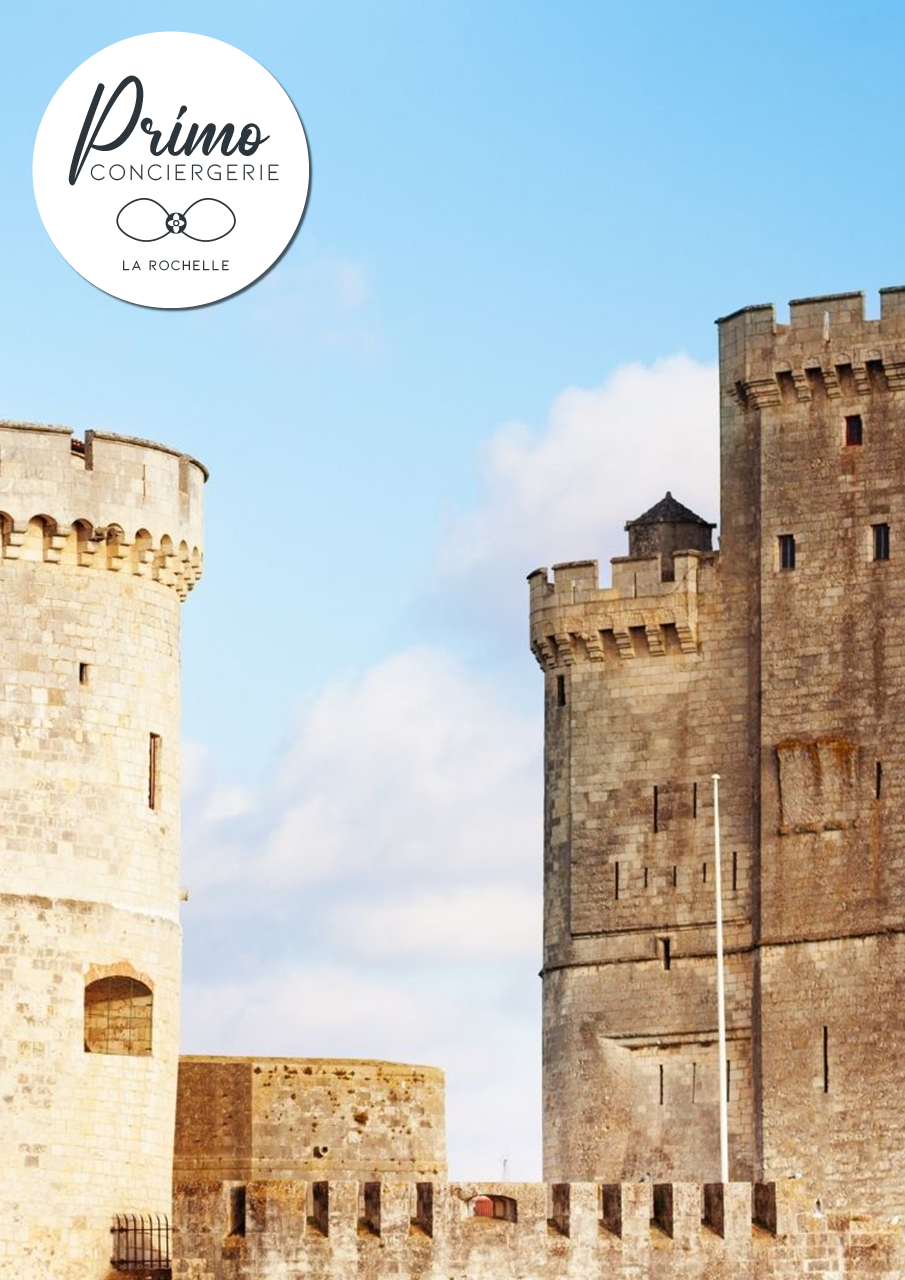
(734, 870)
(237, 1211)
(424, 1208)
(645, 877)
(704, 872)
(854, 429)
(881, 541)
(656, 809)
(675, 876)
(118, 1015)
(694, 799)
(369, 1222)
(826, 1060)
(728, 1079)
(616, 880)
(879, 780)
(666, 952)
(153, 769)
(661, 1084)
(319, 1208)
(787, 551)
(560, 691)
(83, 673)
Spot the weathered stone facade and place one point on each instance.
(775, 662)
(254, 1119)
(99, 544)
(632, 1231)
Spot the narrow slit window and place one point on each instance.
(560, 691)
(661, 1084)
(694, 799)
(153, 770)
(666, 952)
(237, 1211)
(879, 781)
(645, 877)
(704, 872)
(787, 551)
(854, 430)
(616, 880)
(881, 541)
(83, 673)
(734, 870)
(656, 809)
(675, 876)
(826, 1060)
(728, 1079)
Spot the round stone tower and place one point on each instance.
(101, 542)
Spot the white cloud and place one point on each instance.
(564, 493)
(476, 921)
(414, 768)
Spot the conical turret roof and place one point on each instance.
(669, 511)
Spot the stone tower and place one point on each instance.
(775, 662)
(101, 543)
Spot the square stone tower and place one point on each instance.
(776, 663)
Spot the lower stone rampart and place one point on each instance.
(522, 1231)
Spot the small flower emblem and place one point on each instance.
(175, 223)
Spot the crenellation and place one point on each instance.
(687, 1231)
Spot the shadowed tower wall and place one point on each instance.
(100, 543)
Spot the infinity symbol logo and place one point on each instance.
(147, 220)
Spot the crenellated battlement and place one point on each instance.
(827, 350)
(520, 1231)
(573, 619)
(112, 503)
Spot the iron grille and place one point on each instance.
(141, 1245)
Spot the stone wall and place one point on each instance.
(646, 690)
(250, 1119)
(98, 544)
(679, 1231)
(789, 683)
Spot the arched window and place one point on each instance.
(118, 1016)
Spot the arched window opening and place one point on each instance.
(503, 1208)
(118, 1013)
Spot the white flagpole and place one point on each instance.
(720, 988)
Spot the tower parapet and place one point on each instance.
(99, 542)
(110, 502)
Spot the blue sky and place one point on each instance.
(508, 201)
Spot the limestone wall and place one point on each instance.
(269, 1118)
(98, 543)
(831, 966)
(645, 698)
(678, 1231)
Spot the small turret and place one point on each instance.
(666, 528)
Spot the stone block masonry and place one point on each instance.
(776, 662)
(250, 1119)
(629, 1231)
(99, 543)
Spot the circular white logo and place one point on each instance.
(171, 170)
